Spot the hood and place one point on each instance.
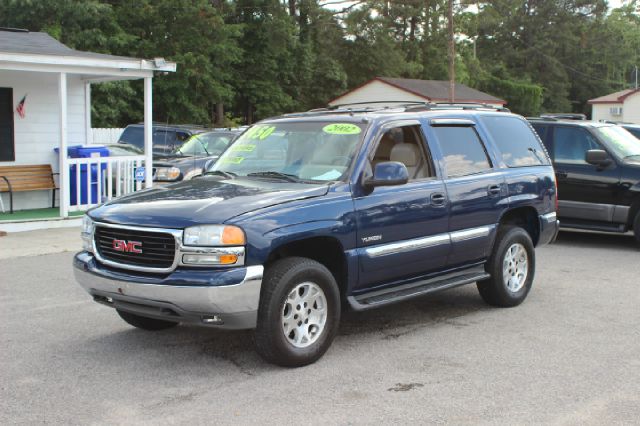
(201, 201)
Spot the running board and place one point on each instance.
(374, 299)
(593, 226)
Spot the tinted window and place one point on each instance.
(570, 144)
(163, 139)
(517, 143)
(133, 136)
(541, 130)
(463, 151)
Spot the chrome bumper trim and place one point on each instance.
(229, 299)
(549, 217)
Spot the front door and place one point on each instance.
(585, 191)
(402, 230)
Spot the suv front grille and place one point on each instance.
(157, 248)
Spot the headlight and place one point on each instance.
(167, 173)
(87, 233)
(213, 235)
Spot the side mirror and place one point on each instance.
(388, 173)
(598, 157)
(207, 165)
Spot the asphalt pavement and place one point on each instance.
(569, 355)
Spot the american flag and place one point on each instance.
(20, 108)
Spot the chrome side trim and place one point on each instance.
(469, 234)
(407, 245)
(549, 217)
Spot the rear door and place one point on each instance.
(402, 230)
(475, 188)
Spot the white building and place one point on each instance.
(394, 90)
(623, 106)
(56, 81)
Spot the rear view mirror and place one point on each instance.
(598, 157)
(388, 173)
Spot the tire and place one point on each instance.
(298, 296)
(144, 323)
(636, 227)
(498, 290)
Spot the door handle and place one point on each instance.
(438, 199)
(494, 190)
(561, 174)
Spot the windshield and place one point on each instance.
(318, 151)
(205, 144)
(622, 143)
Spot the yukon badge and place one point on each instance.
(371, 238)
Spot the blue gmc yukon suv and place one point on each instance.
(308, 213)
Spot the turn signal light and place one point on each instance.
(233, 236)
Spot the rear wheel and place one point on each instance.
(144, 323)
(299, 312)
(512, 267)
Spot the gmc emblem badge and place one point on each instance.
(127, 246)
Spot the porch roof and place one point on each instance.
(36, 51)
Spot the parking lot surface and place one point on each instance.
(569, 355)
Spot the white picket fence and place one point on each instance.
(105, 136)
(96, 180)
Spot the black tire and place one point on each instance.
(144, 323)
(636, 227)
(494, 290)
(280, 280)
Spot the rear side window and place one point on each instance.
(517, 143)
(463, 151)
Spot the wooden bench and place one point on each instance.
(27, 178)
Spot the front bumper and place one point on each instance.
(549, 227)
(216, 298)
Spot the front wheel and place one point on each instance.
(299, 312)
(511, 266)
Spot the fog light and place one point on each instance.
(212, 319)
(209, 259)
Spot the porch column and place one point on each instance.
(63, 166)
(148, 133)
(88, 134)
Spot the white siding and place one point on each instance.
(631, 109)
(36, 135)
(105, 136)
(602, 112)
(377, 91)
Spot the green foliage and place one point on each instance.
(249, 59)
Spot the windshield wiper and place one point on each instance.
(278, 175)
(632, 155)
(228, 175)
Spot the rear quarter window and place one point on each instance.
(516, 141)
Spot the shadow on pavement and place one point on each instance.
(597, 240)
(454, 308)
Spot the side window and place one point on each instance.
(570, 144)
(406, 145)
(516, 141)
(463, 151)
(541, 130)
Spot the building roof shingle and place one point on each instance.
(438, 90)
(37, 43)
(614, 98)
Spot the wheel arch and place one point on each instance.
(527, 218)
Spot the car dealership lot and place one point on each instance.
(568, 355)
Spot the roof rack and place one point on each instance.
(565, 115)
(542, 118)
(409, 106)
(458, 105)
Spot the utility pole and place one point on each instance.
(452, 54)
(636, 77)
